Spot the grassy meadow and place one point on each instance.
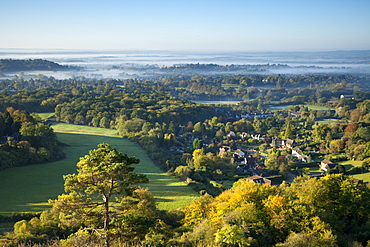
(218, 102)
(351, 163)
(285, 107)
(28, 188)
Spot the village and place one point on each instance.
(257, 156)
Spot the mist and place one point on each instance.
(134, 64)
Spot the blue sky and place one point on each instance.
(265, 25)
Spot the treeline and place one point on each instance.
(118, 106)
(329, 211)
(299, 89)
(10, 65)
(316, 89)
(25, 141)
(204, 68)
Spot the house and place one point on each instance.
(326, 165)
(257, 137)
(239, 154)
(348, 96)
(224, 149)
(259, 180)
(231, 135)
(288, 143)
(244, 135)
(276, 141)
(249, 164)
(296, 152)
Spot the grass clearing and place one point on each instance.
(318, 108)
(285, 107)
(217, 102)
(45, 116)
(351, 163)
(354, 163)
(364, 177)
(329, 121)
(315, 170)
(28, 188)
(277, 107)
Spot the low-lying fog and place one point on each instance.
(131, 64)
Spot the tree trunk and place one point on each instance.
(106, 223)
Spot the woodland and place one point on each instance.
(326, 117)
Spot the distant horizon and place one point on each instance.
(180, 50)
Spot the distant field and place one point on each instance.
(310, 107)
(351, 163)
(45, 115)
(27, 189)
(315, 169)
(222, 102)
(364, 176)
(277, 108)
(329, 121)
(318, 108)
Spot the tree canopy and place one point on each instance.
(105, 176)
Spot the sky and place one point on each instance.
(219, 25)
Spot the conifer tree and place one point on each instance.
(104, 175)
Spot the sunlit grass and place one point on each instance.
(45, 116)
(277, 107)
(28, 188)
(315, 169)
(285, 107)
(328, 121)
(318, 108)
(217, 102)
(364, 177)
(348, 164)
(351, 162)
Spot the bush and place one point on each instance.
(355, 170)
(197, 177)
(182, 172)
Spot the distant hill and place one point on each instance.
(9, 65)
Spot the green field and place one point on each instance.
(285, 107)
(329, 121)
(218, 102)
(27, 189)
(277, 108)
(318, 108)
(364, 177)
(351, 163)
(44, 116)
